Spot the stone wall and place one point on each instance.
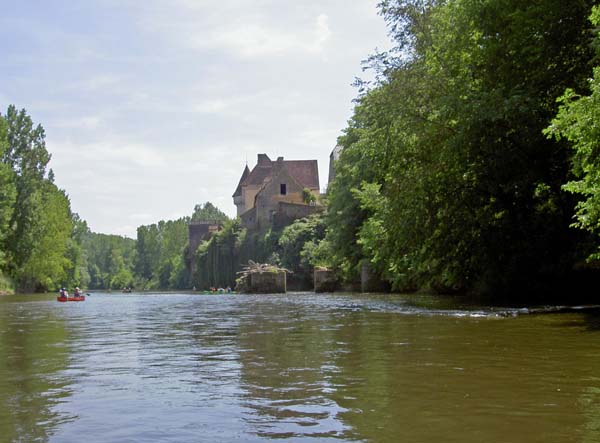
(288, 212)
(264, 283)
(370, 282)
(325, 280)
(270, 196)
(248, 219)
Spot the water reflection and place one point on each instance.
(33, 351)
(286, 370)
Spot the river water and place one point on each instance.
(294, 368)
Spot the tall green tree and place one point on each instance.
(7, 194)
(78, 272)
(446, 179)
(46, 264)
(577, 121)
(40, 222)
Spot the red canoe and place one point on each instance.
(80, 298)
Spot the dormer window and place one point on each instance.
(283, 189)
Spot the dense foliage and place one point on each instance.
(577, 121)
(217, 260)
(160, 254)
(110, 260)
(446, 179)
(295, 247)
(36, 223)
(208, 212)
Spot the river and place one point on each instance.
(294, 368)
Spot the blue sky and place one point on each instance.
(153, 106)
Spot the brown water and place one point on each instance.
(295, 368)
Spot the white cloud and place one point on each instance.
(260, 39)
(211, 106)
(91, 122)
(322, 31)
(96, 82)
(144, 216)
(108, 154)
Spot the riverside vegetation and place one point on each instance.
(469, 165)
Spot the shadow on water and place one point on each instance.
(592, 320)
(34, 349)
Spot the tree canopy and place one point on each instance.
(446, 180)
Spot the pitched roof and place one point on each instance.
(306, 172)
(259, 174)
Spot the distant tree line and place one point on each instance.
(44, 245)
(156, 259)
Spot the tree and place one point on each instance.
(445, 179)
(293, 241)
(308, 197)
(78, 273)
(107, 256)
(7, 193)
(208, 212)
(44, 267)
(577, 121)
(40, 220)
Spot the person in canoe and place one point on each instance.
(64, 293)
(78, 292)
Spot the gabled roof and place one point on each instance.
(259, 174)
(305, 172)
(276, 173)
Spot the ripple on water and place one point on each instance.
(295, 368)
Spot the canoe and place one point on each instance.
(63, 299)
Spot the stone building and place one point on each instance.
(272, 192)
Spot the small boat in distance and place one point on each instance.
(77, 298)
(64, 295)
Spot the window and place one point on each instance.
(282, 189)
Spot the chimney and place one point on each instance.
(263, 160)
(278, 165)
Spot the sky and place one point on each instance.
(151, 107)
